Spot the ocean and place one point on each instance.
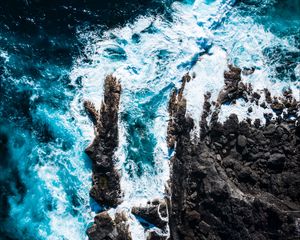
(55, 54)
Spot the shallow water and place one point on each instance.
(45, 77)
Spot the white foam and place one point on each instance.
(4, 55)
(161, 58)
(47, 189)
(209, 72)
(146, 67)
(245, 42)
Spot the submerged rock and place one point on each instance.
(116, 53)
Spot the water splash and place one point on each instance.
(151, 55)
(45, 168)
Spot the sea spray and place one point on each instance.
(45, 131)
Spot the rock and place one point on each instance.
(277, 106)
(263, 105)
(268, 117)
(232, 87)
(242, 141)
(106, 188)
(92, 112)
(276, 161)
(154, 213)
(156, 201)
(270, 129)
(248, 71)
(268, 96)
(256, 95)
(257, 123)
(193, 216)
(105, 228)
(239, 180)
(152, 235)
(104, 222)
(246, 175)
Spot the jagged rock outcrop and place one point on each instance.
(106, 180)
(155, 213)
(106, 189)
(107, 228)
(154, 218)
(241, 180)
(178, 124)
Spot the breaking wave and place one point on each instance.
(45, 175)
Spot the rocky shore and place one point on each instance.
(106, 180)
(106, 190)
(241, 179)
(238, 180)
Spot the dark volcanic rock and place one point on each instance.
(106, 180)
(276, 161)
(241, 180)
(155, 236)
(177, 108)
(155, 213)
(106, 228)
(233, 86)
(242, 141)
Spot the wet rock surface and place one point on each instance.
(155, 213)
(238, 180)
(106, 180)
(106, 228)
(106, 189)
(241, 179)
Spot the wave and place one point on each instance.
(151, 55)
(47, 175)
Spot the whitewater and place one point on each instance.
(149, 56)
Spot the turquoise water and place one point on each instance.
(45, 175)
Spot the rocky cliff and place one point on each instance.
(241, 179)
(237, 180)
(106, 190)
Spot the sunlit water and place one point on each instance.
(45, 168)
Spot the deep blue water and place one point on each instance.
(54, 54)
